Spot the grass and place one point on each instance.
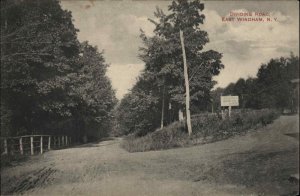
(206, 128)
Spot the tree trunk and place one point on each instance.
(187, 87)
(162, 108)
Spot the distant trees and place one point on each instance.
(43, 85)
(274, 81)
(272, 88)
(95, 93)
(159, 93)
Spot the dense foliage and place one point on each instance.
(207, 128)
(50, 83)
(272, 88)
(159, 92)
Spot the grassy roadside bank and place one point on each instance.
(207, 128)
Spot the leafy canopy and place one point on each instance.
(162, 79)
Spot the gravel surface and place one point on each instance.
(262, 162)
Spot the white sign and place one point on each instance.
(229, 100)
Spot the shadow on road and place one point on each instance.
(96, 143)
(294, 135)
(263, 172)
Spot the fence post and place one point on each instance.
(41, 144)
(58, 141)
(66, 140)
(62, 140)
(5, 146)
(21, 146)
(49, 142)
(31, 145)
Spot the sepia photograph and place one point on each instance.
(150, 97)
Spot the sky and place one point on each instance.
(114, 27)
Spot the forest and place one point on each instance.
(275, 86)
(50, 82)
(158, 96)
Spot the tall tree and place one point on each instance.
(97, 98)
(274, 81)
(162, 54)
(187, 86)
(46, 86)
(39, 48)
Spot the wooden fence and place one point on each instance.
(33, 144)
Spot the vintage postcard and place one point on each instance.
(149, 97)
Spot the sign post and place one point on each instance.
(229, 101)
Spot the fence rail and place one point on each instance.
(32, 144)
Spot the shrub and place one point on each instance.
(206, 128)
(172, 136)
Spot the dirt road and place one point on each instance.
(258, 163)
